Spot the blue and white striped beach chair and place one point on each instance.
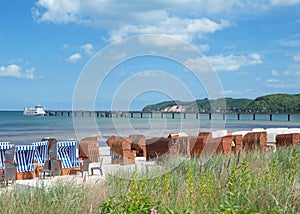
(5, 143)
(67, 153)
(41, 153)
(25, 158)
(4, 146)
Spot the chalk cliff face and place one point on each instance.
(175, 108)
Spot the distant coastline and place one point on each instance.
(273, 103)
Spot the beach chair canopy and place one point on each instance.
(6, 153)
(41, 153)
(25, 158)
(5, 143)
(67, 153)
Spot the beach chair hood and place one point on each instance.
(41, 153)
(24, 157)
(7, 152)
(67, 153)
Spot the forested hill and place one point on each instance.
(270, 103)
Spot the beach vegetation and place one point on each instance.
(254, 182)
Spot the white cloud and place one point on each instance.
(88, 49)
(184, 19)
(200, 47)
(274, 73)
(293, 72)
(15, 70)
(151, 74)
(229, 47)
(272, 80)
(284, 2)
(65, 46)
(232, 62)
(182, 29)
(287, 72)
(104, 13)
(138, 17)
(74, 58)
(276, 83)
(229, 92)
(160, 41)
(203, 47)
(59, 11)
(296, 57)
(120, 56)
(199, 64)
(29, 74)
(292, 41)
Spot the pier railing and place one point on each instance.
(170, 115)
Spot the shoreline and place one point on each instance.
(19, 129)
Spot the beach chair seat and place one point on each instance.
(51, 167)
(46, 169)
(84, 167)
(98, 168)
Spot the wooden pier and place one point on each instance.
(168, 115)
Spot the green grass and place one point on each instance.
(255, 182)
(62, 198)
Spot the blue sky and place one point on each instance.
(252, 46)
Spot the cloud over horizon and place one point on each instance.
(14, 70)
(234, 62)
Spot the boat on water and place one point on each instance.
(37, 110)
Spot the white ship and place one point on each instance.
(34, 111)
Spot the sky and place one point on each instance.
(251, 46)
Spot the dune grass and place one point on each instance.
(255, 182)
(64, 197)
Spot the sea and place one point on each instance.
(19, 129)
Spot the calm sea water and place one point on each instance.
(19, 129)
